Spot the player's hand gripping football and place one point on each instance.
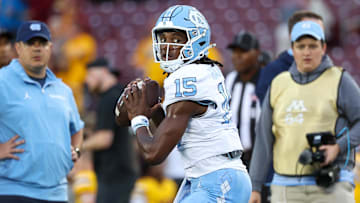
(136, 99)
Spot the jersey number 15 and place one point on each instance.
(189, 89)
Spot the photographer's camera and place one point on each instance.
(329, 174)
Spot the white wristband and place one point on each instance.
(139, 121)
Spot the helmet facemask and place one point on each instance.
(165, 52)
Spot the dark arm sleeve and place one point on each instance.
(262, 84)
(349, 106)
(263, 149)
(268, 73)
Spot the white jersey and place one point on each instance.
(212, 133)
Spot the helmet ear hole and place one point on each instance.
(202, 43)
(194, 33)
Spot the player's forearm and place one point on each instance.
(156, 146)
(147, 145)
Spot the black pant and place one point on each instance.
(21, 199)
(114, 192)
(265, 194)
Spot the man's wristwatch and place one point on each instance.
(78, 152)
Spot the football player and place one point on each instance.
(196, 113)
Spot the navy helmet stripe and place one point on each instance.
(168, 15)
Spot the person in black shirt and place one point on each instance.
(247, 59)
(115, 160)
(240, 82)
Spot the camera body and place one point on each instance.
(327, 175)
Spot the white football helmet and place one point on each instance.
(193, 23)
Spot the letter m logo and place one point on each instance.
(296, 106)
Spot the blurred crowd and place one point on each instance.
(116, 35)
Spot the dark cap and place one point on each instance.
(8, 36)
(100, 62)
(31, 29)
(245, 41)
(103, 63)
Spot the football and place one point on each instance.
(153, 96)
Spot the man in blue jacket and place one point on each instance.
(40, 127)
